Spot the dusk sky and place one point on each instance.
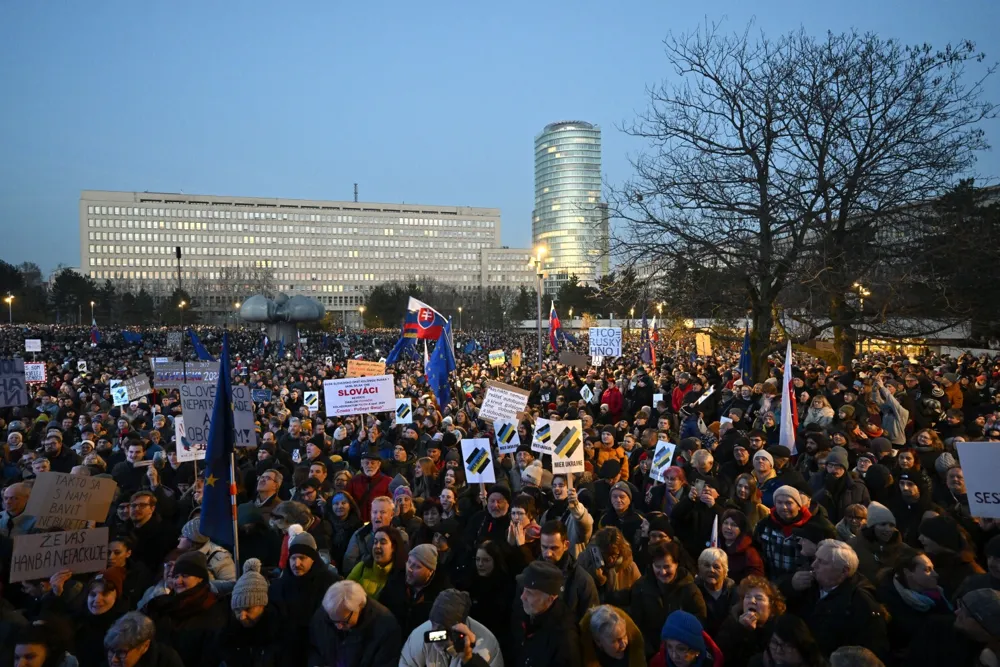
(421, 102)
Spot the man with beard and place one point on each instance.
(578, 592)
(61, 458)
(253, 633)
(837, 489)
(493, 522)
(410, 594)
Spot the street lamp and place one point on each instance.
(537, 259)
(571, 316)
(459, 318)
(236, 310)
(92, 320)
(631, 314)
(862, 293)
(180, 307)
(10, 308)
(659, 309)
(362, 311)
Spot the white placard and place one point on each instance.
(507, 437)
(980, 462)
(711, 390)
(197, 402)
(160, 360)
(605, 342)
(404, 411)
(41, 555)
(359, 395)
(551, 435)
(656, 399)
(186, 450)
(502, 401)
(243, 420)
(567, 450)
(119, 395)
(597, 361)
(586, 393)
(34, 372)
(137, 387)
(478, 461)
(662, 456)
(311, 400)
(81, 366)
(32, 344)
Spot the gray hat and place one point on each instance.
(624, 488)
(837, 456)
(984, 606)
(301, 542)
(945, 462)
(879, 513)
(426, 555)
(951, 377)
(192, 531)
(451, 606)
(251, 588)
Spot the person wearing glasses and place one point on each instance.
(353, 629)
(153, 537)
(131, 641)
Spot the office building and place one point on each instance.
(332, 251)
(569, 218)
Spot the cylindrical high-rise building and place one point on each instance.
(569, 218)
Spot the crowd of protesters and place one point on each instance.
(361, 544)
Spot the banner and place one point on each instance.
(197, 401)
(41, 555)
(567, 450)
(503, 401)
(404, 411)
(662, 456)
(172, 375)
(357, 368)
(507, 438)
(515, 357)
(557, 436)
(186, 450)
(71, 497)
(980, 462)
(477, 461)
(32, 344)
(13, 388)
(35, 372)
(497, 358)
(311, 400)
(360, 395)
(605, 341)
(153, 361)
(243, 419)
(586, 393)
(260, 395)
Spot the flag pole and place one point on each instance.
(232, 500)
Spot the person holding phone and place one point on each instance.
(451, 637)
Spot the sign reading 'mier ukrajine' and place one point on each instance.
(361, 395)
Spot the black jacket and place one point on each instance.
(375, 641)
(258, 646)
(159, 655)
(297, 599)
(651, 602)
(411, 608)
(550, 639)
(189, 622)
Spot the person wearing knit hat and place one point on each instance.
(764, 454)
(941, 533)
(401, 491)
(301, 542)
(191, 532)
(191, 565)
(109, 585)
(944, 463)
(683, 634)
(544, 578)
(983, 607)
(426, 555)
(791, 493)
(532, 475)
(838, 457)
(249, 596)
(879, 513)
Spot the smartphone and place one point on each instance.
(699, 486)
(595, 554)
(435, 636)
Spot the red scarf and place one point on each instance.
(787, 528)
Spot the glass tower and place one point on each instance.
(569, 218)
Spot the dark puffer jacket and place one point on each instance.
(376, 640)
(651, 602)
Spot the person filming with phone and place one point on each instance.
(451, 637)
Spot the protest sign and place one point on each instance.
(153, 361)
(586, 393)
(175, 338)
(551, 435)
(81, 366)
(574, 359)
(662, 456)
(41, 555)
(477, 461)
(243, 419)
(701, 399)
(172, 375)
(357, 368)
(497, 358)
(328, 360)
(703, 344)
(515, 358)
(71, 497)
(597, 361)
(605, 341)
(359, 395)
(260, 395)
(506, 432)
(502, 401)
(34, 372)
(186, 450)
(197, 401)
(13, 388)
(119, 395)
(311, 400)
(980, 462)
(404, 411)
(32, 344)
(656, 399)
(137, 387)
(567, 449)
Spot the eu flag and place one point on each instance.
(440, 364)
(746, 361)
(199, 349)
(217, 501)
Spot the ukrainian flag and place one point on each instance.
(567, 442)
(507, 433)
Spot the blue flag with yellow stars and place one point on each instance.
(217, 501)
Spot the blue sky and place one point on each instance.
(425, 102)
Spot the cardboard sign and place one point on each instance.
(515, 358)
(197, 402)
(186, 450)
(478, 461)
(359, 395)
(553, 436)
(260, 395)
(35, 372)
(32, 344)
(404, 411)
(503, 401)
(243, 419)
(175, 338)
(662, 456)
(567, 450)
(605, 341)
(137, 387)
(81, 366)
(172, 375)
(980, 462)
(72, 497)
(356, 368)
(703, 344)
(311, 400)
(574, 359)
(497, 358)
(41, 555)
(13, 388)
(597, 361)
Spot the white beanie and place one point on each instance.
(533, 474)
(764, 454)
(879, 513)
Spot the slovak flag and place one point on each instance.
(422, 321)
(554, 327)
(789, 406)
(95, 335)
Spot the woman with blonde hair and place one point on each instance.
(820, 412)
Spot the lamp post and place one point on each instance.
(862, 293)
(631, 316)
(539, 253)
(92, 320)
(571, 317)
(459, 318)
(362, 311)
(236, 311)
(10, 308)
(180, 308)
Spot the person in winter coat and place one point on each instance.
(747, 629)
(820, 413)
(608, 560)
(792, 645)
(134, 636)
(451, 611)
(360, 545)
(388, 557)
(411, 592)
(543, 630)
(353, 630)
(190, 615)
(717, 589)
(961, 639)
(612, 397)
(622, 515)
(910, 506)
(695, 515)
(567, 508)
(773, 537)
(345, 517)
(105, 604)
(491, 580)
(137, 577)
(839, 490)
(579, 592)
(220, 562)
(894, 415)
(912, 597)
(879, 544)
(949, 548)
(684, 643)
(370, 484)
(609, 636)
(990, 578)
(252, 636)
(666, 588)
(736, 540)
